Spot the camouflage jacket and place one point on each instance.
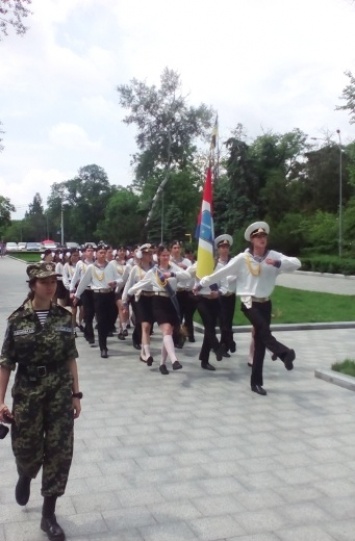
(28, 342)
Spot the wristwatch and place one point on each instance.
(78, 395)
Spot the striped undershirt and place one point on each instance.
(42, 315)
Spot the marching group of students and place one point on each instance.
(149, 285)
(158, 284)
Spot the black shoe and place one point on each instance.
(91, 341)
(219, 353)
(288, 359)
(143, 360)
(163, 369)
(81, 327)
(104, 353)
(150, 360)
(125, 332)
(233, 347)
(258, 389)
(274, 357)
(207, 366)
(177, 365)
(136, 345)
(22, 491)
(75, 334)
(226, 354)
(110, 334)
(121, 336)
(250, 364)
(53, 530)
(192, 339)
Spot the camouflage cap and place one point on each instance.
(44, 269)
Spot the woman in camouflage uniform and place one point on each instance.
(46, 399)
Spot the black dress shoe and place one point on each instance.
(125, 332)
(81, 327)
(288, 359)
(250, 364)
(143, 360)
(226, 354)
(51, 527)
(219, 353)
(104, 353)
(233, 347)
(91, 341)
(177, 365)
(258, 389)
(121, 336)
(163, 369)
(136, 345)
(150, 360)
(192, 339)
(274, 357)
(22, 491)
(207, 366)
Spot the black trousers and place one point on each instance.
(103, 309)
(209, 310)
(187, 305)
(226, 320)
(259, 316)
(87, 298)
(137, 331)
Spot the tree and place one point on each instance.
(122, 222)
(168, 127)
(6, 207)
(83, 199)
(12, 13)
(348, 95)
(34, 223)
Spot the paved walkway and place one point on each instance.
(196, 455)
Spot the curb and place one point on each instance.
(289, 327)
(342, 380)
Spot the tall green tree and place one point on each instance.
(83, 199)
(6, 207)
(348, 96)
(34, 223)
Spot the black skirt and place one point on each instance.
(164, 311)
(62, 292)
(144, 312)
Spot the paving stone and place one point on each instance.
(175, 510)
(167, 532)
(212, 528)
(314, 533)
(266, 520)
(342, 530)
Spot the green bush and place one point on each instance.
(331, 264)
(346, 367)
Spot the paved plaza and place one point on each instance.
(196, 455)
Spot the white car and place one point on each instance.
(22, 246)
(11, 247)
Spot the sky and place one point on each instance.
(272, 65)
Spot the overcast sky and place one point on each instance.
(269, 64)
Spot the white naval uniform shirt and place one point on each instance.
(150, 279)
(98, 277)
(183, 283)
(123, 270)
(136, 274)
(249, 285)
(80, 269)
(226, 285)
(68, 273)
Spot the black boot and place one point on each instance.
(49, 522)
(22, 491)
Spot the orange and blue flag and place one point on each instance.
(205, 259)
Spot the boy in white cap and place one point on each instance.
(256, 271)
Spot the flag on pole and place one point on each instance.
(205, 261)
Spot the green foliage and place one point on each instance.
(348, 96)
(346, 367)
(6, 207)
(327, 263)
(122, 222)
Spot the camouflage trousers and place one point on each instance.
(42, 434)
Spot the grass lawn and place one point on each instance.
(346, 367)
(297, 306)
(29, 257)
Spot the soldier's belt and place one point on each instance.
(103, 290)
(35, 372)
(260, 299)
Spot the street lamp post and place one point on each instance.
(340, 196)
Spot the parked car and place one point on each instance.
(34, 247)
(22, 246)
(50, 246)
(11, 247)
(72, 246)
